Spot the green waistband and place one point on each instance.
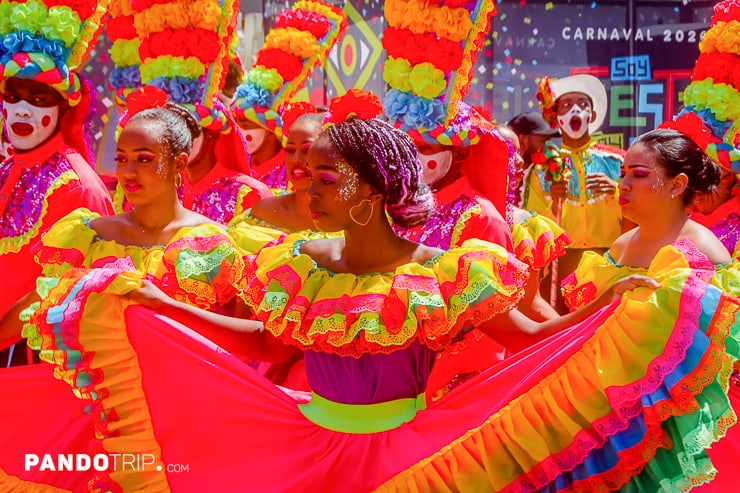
(361, 418)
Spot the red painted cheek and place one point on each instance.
(432, 164)
(46, 121)
(248, 138)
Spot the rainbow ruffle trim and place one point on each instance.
(538, 241)
(634, 408)
(305, 305)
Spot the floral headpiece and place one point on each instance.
(301, 40)
(432, 47)
(143, 98)
(179, 46)
(355, 103)
(712, 100)
(48, 40)
(291, 111)
(547, 102)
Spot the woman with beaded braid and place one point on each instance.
(370, 310)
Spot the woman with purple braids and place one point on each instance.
(370, 310)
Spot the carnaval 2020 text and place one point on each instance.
(626, 34)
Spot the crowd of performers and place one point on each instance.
(395, 295)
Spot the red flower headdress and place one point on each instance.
(143, 98)
(355, 103)
(291, 111)
(692, 126)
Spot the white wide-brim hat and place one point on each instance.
(588, 85)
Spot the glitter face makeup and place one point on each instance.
(164, 157)
(351, 181)
(659, 183)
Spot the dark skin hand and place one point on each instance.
(264, 346)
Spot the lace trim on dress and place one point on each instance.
(352, 315)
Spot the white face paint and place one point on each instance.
(575, 122)
(435, 166)
(254, 138)
(29, 126)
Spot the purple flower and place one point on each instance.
(125, 77)
(180, 89)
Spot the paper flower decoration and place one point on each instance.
(301, 40)
(432, 47)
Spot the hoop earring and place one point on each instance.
(178, 180)
(351, 212)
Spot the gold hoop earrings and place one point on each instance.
(352, 209)
(178, 180)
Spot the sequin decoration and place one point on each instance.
(276, 178)
(4, 172)
(351, 181)
(728, 231)
(27, 198)
(439, 229)
(219, 201)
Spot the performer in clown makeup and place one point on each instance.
(265, 151)
(462, 211)
(46, 177)
(587, 200)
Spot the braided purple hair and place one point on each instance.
(387, 159)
